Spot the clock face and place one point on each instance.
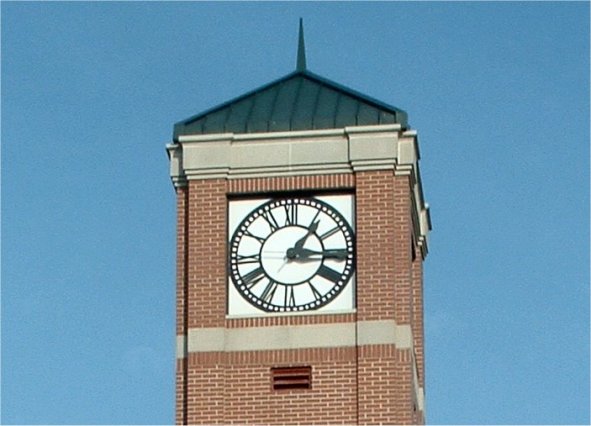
(291, 254)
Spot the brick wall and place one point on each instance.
(383, 268)
(206, 301)
(181, 315)
(367, 384)
(235, 388)
(384, 385)
(417, 319)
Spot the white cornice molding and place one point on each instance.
(373, 129)
(343, 150)
(290, 134)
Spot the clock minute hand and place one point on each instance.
(339, 254)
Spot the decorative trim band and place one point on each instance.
(421, 399)
(291, 134)
(296, 337)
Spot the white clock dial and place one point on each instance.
(291, 254)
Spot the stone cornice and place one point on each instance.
(293, 134)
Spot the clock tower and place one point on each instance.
(301, 232)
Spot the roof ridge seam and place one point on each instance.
(295, 104)
(273, 105)
(314, 113)
(249, 113)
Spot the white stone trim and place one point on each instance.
(374, 128)
(291, 337)
(287, 171)
(384, 332)
(419, 392)
(291, 134)
(334, 335)
(206, 340)
(284, 153)
(206, 138)
(421, 399)
(180, 347)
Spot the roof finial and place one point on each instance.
(301, 64)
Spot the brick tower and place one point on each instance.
(301, 233)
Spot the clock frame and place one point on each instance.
(291, 254)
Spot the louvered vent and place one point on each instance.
(285, 378)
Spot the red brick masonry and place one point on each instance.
(363, 384)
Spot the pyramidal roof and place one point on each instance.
(301, 100)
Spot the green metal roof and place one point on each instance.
(299, 101)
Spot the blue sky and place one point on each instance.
(499, 93)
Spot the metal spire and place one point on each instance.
(301, 64)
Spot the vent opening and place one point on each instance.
(285, 378)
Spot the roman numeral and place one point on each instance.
(269, 291)
(249, 234)
(246, 259)
(289, 297)
(291, 214)
(328, 273)
(253, 277)
(314, 219)
(317, 294)
(329, 233)
(268, 216)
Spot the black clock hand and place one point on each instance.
(339, 254)
(300, 243)
(294, 251)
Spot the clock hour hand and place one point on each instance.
(300, 243)
(294, 252)
(338, 254)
